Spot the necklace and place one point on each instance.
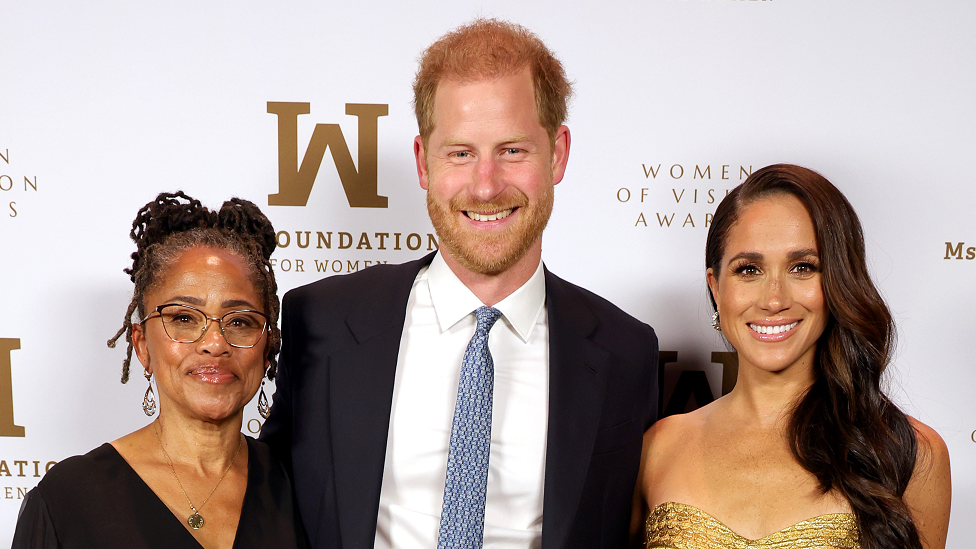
(195, 520)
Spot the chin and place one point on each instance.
(218, 411)
(774, 363)
(486, 264)
(492, 256)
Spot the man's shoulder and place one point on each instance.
(567, 293)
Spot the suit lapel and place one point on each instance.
(361, 396)
(577, 379)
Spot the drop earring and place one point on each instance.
(263, 407)
(149, 401)
(716, 322)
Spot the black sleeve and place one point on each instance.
(35, 527)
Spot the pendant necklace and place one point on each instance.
(195, 520)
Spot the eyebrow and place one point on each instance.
(456, 142)
(517, 138)
(192, 300)
(797, 254)
(237, 303)
(792, 256)
(189, 299)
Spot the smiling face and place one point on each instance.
(208, 379)
(768, 290)
(489, 170)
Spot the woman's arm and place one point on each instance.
(35, 527)
(929, 491)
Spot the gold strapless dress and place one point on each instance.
(680, 526)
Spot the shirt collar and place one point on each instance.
(453, 300)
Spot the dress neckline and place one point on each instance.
(691, 509)
(156, 500)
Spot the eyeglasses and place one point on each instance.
(186, 324)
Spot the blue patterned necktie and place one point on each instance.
(463, 513)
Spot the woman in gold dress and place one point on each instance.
(806, 451)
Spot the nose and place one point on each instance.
(487, 184)
(213, 341)
(776, 295)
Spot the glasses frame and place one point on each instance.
(157, 313)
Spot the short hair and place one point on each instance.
(174, 223)
(489, 48)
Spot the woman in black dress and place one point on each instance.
(207, 300)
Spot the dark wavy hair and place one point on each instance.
(844, 429)
(173, 223)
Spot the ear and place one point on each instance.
(712, 285)
(140, 346)
(421, 157)
(560, 154)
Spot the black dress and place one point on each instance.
(97, 500)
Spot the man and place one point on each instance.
(401, 426)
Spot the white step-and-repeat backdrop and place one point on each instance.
(105, 104)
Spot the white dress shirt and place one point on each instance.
(438, 326)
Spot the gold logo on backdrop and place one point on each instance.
(327, 261)
(681, 195)
(11, 183)
(28, 469)
(959, 250)
(693, 383)
(18, 469)
(7, 426)
(295, 182)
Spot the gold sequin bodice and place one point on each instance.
(680, 526)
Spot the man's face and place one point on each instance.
(489, 172)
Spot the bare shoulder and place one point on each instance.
(668, 441)
(664, 444)
(929, 490)
(673, 431)
(932, 450)
(932, 461)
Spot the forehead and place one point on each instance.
(208, 258)
(510, 96)
(770, 225)
(203, 270)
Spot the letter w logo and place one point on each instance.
(295, 183)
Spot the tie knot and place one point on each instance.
(487, 316)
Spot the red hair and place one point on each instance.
(486, 49)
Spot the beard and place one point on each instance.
(490, 252)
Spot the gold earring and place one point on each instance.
(149, 401)
(263, 407)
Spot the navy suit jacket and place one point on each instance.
(331, 413)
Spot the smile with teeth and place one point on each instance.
(490, 217)
(773, 329)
